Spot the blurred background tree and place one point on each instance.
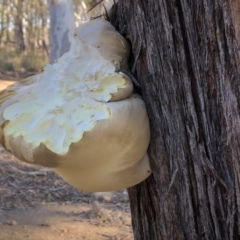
(24, 31)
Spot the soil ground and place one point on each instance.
(36, 204)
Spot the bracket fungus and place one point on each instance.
(80, 118)
(110, 43)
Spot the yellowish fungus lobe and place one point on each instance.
(80, 118)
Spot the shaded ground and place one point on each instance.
(36, 204)
(5, 83)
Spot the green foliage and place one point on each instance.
(5, 64)
(32, 62)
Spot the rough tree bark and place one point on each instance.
(61, 22)
(185, 58)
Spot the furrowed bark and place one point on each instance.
(185, 58)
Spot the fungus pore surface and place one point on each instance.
(65, 100)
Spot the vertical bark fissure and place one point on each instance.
(205, 189)
(191, 121)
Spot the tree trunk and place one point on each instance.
(61, 22)
(18, 27)
(7, 25)
(3, 23)
(185, 58)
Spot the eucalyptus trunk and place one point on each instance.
(61, 24)
(185, 59)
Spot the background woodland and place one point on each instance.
(24, 32)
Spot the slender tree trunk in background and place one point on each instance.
(3, 23)
(43, 30)
(186, 61)
(18, 27)
(30, 34)
(7, 24)
(61, 22)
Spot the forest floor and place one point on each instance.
(36, 204)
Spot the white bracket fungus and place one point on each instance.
(80, 118)
(103, 36)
